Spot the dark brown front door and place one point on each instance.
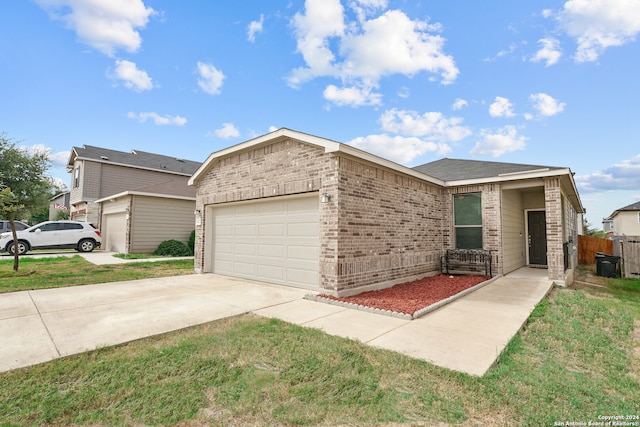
(537, 237)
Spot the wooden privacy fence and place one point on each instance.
(630, 249)
(588, 246)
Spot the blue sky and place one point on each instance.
(551, 83)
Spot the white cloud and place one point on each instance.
(228, 130)
(599, 24)
(352, 96)
(415, 135)
(459, 104)
(131, 76)
(501, 107)
(361, 52)
(620, 176)
(364, 8)
(546, 105)
(60, 158)
(550, 51)
(398, 148)
(323, 19)
(254, 28)
(432, 126)
(106, 25)
(157, 118)
(210, 79)
(495, 144)
(273, 128)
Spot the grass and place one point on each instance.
(42, 273)
(576, 358)
(139, 256)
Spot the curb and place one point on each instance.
(419, 313)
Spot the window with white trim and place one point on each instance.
(467, 213)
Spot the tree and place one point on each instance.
(23, 184)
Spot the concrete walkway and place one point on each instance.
(466, 335)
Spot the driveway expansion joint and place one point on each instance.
(44, 323)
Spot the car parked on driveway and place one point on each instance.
(80, 236)
(5, 227)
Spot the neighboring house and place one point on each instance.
(624, 221)
(137, 221)
(59, 203)
(296, 209)
(131, 179)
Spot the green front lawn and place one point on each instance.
(577, 359)
(42, 273)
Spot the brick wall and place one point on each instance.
(491, 220)
(389, 227)
(379, 227)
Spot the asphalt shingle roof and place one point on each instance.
(137, 158)
(631, 207)
(458, 169)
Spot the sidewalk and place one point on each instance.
(466, 335)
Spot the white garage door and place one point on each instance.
(114, 232)
(273, 240)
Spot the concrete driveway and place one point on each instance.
(466, 335)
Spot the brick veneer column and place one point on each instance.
(553, 212)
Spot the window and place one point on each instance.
(76, 177)
(467, 211)
(71, 226)
(50, 226)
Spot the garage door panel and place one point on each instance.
(244, 249)
(247, 230)
(272, 251)
(275, 240)
(271, 230)
(245, 268)
(297, 252)
(271, 272)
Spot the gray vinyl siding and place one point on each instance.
(513, 232)
(116, 179)
(89, 182)
(156, 219)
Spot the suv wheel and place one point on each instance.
(23, 247)
(86, 245)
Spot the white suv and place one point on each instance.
(80, 236)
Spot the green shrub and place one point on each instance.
(192, 241)
(172, 248)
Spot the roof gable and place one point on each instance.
(135, 158)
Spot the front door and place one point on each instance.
(537, 239)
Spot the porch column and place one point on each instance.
(553, 212)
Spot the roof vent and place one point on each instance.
(179, 159)
(104, 157)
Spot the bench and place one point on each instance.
(466, 261)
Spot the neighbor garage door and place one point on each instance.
(114, 232)
(274, 240)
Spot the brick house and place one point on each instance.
(301, 210)
(136, 198)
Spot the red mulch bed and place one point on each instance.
(407, 298)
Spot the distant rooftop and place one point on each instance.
(135, 158)
(458, 169)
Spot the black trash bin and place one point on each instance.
(607, 265)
